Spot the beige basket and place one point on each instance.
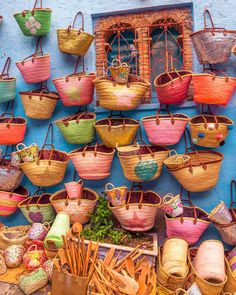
(176, 160)
(16, 235)
(230, 285)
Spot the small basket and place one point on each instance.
(16, 235)
(119, 71)
(117, 195)
(7, 83)
(172, 205)
(176, 160)
(129, 150)
(28, 153)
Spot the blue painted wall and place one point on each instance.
(14, 44)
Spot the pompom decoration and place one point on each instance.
(219, 136)
(201, 135)
(211, 126)
(195, 140)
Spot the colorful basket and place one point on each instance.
(79, 209)
(210, 130)
(140, 211)
(78, 128)
(9, 200)
(145, 165)
(210, 88)
(50, 168)
(76, 89)
(120, 97)
(119, 71)
(36, 67)
(165, 129)
(113, 131)
(213, 45)
(38, 208)
(93, 162)
(7, 84)
(74, 41)
(16, 235)
(35, 22)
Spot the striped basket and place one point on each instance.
(113, 131)
(38, 208)
(140, 211)
(7, 83)
(9, 200)
(80, 209)
(93, 162)
(78, 128)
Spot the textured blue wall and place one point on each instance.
(14, 44)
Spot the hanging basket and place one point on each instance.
(74, 41)
(146, 165)
(35, 22)
(79, 209)
(121, 131)
(36, 67)
(176, 160)
(165, 129)
(93, 162)
(78, 128)
(7, 83)
(119, 71)
(16, 235)
(140, 211)
(120, 97)
(172, 87)
(38, 208)
(202, 171)
(210, 88)
(9, 200)
(39, 104)
(49, 169)
(213, 45)
(210, 130)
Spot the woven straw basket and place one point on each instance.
(140, 211)
(146, 165)
(93, 162)
(39, 104)
(176, 160)
(79, 209)
(210, 130)
(230, 285)
(113, 131)
(16, 235)
(7, 83)
(78, 128)
(120, 97)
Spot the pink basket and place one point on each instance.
(93, 162)
(165, 129)
(36, 67)
(76, 89)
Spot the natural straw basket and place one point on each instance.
(16, 235)
(230, 285)
(79, 209)
(146, 165)
(121, 131)
(78, 128)
(213, 45)
(176, 160)
(120, 97)
(140, 211)
(50, 167)
(7, 84)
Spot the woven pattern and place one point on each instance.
(16, 235)
(39, 105)
(227, 233)
(35, 70)
(120, 96)
(230, 285)
(41, 16)
(7, 89)
(10, 177)
(12, 131)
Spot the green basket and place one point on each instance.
(78, 128)
(7, 84)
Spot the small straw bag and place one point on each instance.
(213, 45)
(74, 41)
(205, 287)
(38, 208)
(116, 195)
(121, 97)
(119, 71)
(113, 131)
(9, 200)
(165, 129)
(34, 257)
(176, 160)
(12, 129)
(36, 67)
(35, 22)
(76, 89)
(140, 211)
(7, 84)
(202, 171)
(210, 88)
(16, 235)
(146, 165)
(79, 209)
(190, 225)
(93, 162)
(39, 104)
(78, 128)
(51, 166)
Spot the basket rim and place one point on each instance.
(64, 190)
(135, 123)
(10, 79)
(214, 30)
(37, 9)
(76, 30)
(17, 194)
(15, 124)
(80, 151)
(46, 55)
(217, 116)
(211, 76)
(20, 205)
(141, 80)
(67, 117)
(162, 149)
(189, 74)
(91, 74)
(177, 116)
(36, 93)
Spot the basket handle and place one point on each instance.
(207, 13)
(211, 72)
(109, 123)
(107, 185)
(140, 200)
(80, 13)
(74, 178)
(49, 131)
(43, 88)
(35, 195)
(5, 71)
(66, 123)
(188, 201)
(168, 112)
(35, 4)
(205, 120)
(34, 247)
(75, 73)
(95, 150)
(67, 199)
(38, 51)
(232, 192)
